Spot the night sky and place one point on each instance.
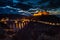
(32, 3)
(28, 4)
(40, 3)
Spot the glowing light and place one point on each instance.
(53, 23)
(3, 19)
(41, 13)
(45, 13)
(7, 19)
(16, 21)
(17, 26)
(5, 22)
(57, 23)
(37, 14)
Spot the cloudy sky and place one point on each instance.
(32, 3)
(28, 4)
(40, 3)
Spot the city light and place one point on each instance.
(20, 23)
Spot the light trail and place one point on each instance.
(27, 20)
(49, 23)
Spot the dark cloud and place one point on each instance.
(6, 2)
(42, 3)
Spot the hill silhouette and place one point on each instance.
(39, 31)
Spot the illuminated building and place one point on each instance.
(41, 13)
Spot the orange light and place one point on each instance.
(3, 19)
(16, 21)
(40, 13)
(17, 26)
(45, 13)
(7, 19)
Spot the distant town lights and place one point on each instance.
(16, 21)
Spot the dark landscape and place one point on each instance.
(33, 30)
